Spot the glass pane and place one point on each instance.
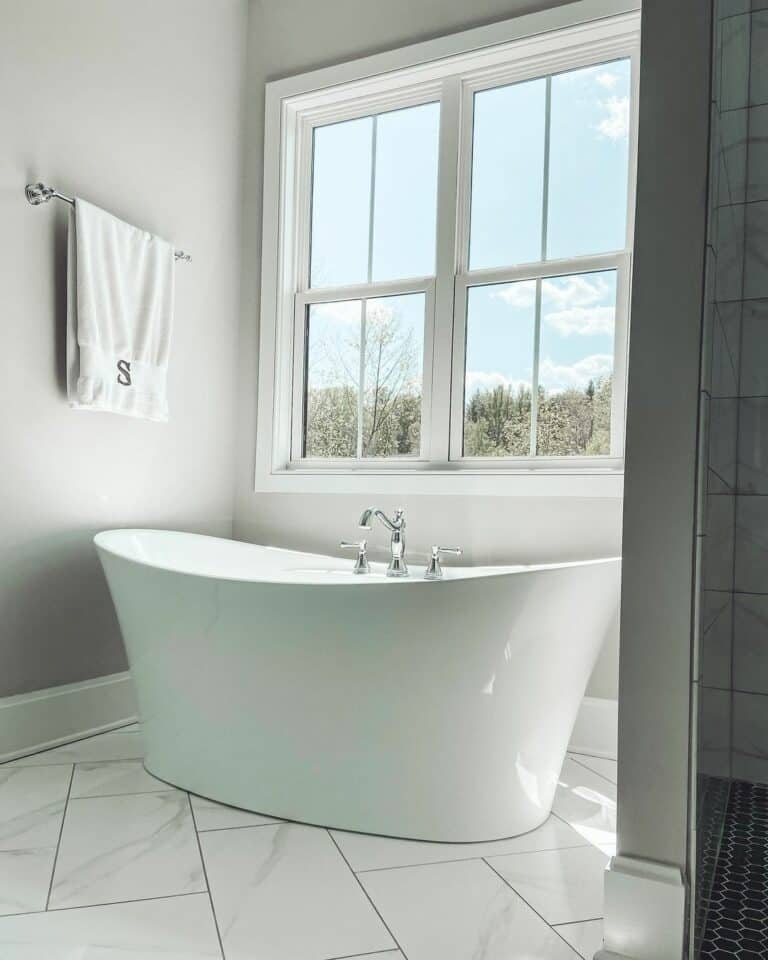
(499, 369)
(341, 190)
(405, 207)
(576, 364)
(507, 175)
(394, 346)
(332, 378)
(589, 160)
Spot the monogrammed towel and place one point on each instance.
(119, 315)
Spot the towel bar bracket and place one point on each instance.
(37, 193)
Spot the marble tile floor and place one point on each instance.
(99, 859)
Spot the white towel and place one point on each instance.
(119, 315)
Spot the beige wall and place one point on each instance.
(135, 105)
(292, 36)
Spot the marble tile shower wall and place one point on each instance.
(732, 667)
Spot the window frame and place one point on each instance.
(450, 70)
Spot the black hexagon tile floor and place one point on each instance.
(737, 907)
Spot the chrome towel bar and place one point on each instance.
(38, 193)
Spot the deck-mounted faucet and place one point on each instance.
(397, 565)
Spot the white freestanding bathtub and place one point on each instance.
(282, 683)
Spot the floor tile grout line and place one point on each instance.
(370, 953)
(573, 923)
(245, 826)
(530, 906)
(587, 843)
(58, 841)
(581, 758)
(104, 903)
(585, 767)
(591, 756)
(13, 764)
(19, 762)
(131, 793)
(366, 894)
(112, 903)
(563, 820)
(479, 856)
(205, 877)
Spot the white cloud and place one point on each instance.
(572, 305)
(615, 123)
(486, 380)
(580, 290)
(574, 291)
(583, 321)
(607, 80)
(578, 76)
(522, 294)
(346, 312)
(556, 377)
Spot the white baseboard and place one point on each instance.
(46, 718)
(596, 729)
(644, 916)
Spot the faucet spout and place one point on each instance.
(365, 519)
(396, 526)
(369, 512)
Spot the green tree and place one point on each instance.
(391, 385)
(331, 419)
(391, 389)
(497, 420)
(497, 423)
(573, 422)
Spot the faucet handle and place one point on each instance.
(361, 561)
(453, 551)
(434, 570)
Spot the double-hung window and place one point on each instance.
(447, 257)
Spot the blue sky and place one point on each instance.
(588, 166)
(405, 199)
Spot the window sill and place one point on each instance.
(607, 484)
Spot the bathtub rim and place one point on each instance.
(278, 577)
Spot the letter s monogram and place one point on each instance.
(124, 374)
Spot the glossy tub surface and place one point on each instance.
(279, 682)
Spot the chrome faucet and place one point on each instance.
(396, 526)
(361, 561)
(435, 570)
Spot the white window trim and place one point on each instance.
(374, 84)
